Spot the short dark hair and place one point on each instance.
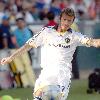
(67, 11)
(50, 15)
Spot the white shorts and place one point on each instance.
(62, 78)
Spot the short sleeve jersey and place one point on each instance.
(57, 50)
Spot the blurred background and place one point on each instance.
(20, 20)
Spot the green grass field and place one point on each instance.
(77, 92)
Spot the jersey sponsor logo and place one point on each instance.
(65, 44)
(60, 45)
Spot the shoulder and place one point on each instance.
(49, 27)
(79, 35)
(16, 30)
(46, 29)
(27, 30)
(76, 32)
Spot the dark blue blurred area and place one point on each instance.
(55, 10)
(39, 5)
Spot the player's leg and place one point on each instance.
(65, 89)
(42, 91)
(65, 93)
(50, 92)
(37, 93)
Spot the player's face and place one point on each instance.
(66, 21)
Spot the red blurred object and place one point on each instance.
(51, 23)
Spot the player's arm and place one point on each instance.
(18, 52)
(35, 41)
(93, 42)
(84, 40)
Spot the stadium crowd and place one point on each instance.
(33, 11)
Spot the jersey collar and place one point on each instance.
(56, 27)
(68, 31)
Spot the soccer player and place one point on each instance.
(58, 44)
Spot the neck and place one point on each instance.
(60, 29)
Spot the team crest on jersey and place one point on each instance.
(67, 40)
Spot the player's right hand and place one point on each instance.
(5, 60)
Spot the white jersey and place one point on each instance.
(57, 51)
(56, 55)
